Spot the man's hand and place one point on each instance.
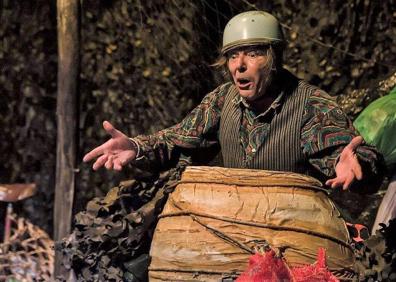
(348, 168)
(115, 153)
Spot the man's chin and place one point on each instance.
(247, 94)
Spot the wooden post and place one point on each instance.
(68, 18)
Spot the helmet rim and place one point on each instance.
(250, 42)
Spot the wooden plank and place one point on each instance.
(68, 17)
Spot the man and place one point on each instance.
(265, 118)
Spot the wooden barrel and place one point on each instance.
(217, 216)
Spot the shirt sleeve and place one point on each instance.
(326, 130)
(197, 130)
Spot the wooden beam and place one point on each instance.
(68, 18)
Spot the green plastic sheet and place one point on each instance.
(377, 125)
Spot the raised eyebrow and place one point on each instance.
(257, 51)
(232, 53)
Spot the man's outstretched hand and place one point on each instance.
(115, 153)
(348, 168)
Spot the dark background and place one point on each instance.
(145, 64)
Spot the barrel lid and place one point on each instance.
(249, 177)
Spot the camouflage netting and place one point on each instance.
(145, 64)
(376, 258)
(28, 255)
(112, 237)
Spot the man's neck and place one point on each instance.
(262, 104)
(267, 98)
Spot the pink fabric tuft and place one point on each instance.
(265, 267)
(268, 268)
(316, 272)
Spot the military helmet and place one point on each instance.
(250, 28)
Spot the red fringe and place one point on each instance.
(269, 268)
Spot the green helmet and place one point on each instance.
(249, 28)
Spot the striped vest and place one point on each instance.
(281, 150)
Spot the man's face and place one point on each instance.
(248, 67)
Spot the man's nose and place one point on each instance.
(241, 64)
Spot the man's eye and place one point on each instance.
(233, 56)
(255, 53)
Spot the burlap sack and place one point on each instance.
(217, 217)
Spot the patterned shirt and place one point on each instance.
(325, 131)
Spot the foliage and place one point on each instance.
(27, 101)
(144, 64)
(137, 72)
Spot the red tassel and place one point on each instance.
(269, 268)
(265, 267)
(316, 272)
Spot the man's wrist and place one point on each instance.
(136, 149)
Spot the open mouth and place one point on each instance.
(244, 83)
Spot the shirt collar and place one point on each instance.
(275, 105)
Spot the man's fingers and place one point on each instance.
(355, 142)
(100, 162)
(104, 147)
(348, 181)
(110, 129)
(329, 182)
(109, 163)
(357, 170)
(126, 157)
(344, 182)
(333, 183)
(95, 152)
(117, 164)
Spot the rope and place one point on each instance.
(195, 271)
(223, 236)
(346, 274)
(255, 224)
